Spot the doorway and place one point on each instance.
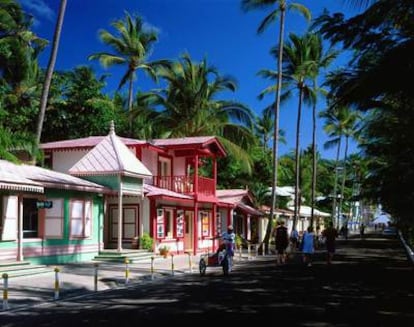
(188, 231)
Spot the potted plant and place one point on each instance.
(164, 250)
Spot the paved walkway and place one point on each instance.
(80, 279)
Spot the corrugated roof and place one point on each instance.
(235, 197)
(14, 182)
(151, 190)
(86, 142)
(51, 179)
(111, 156)
(183, 140)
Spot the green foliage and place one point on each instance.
(146, 242)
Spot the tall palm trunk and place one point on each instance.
(314, 165)
(297, 161)
(49, 72)
(276, 126)
(338, 151)
(344, 174)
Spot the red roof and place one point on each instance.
(199, 142)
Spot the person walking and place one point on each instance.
(308, 247)
(330, 234)
(281, 242)
(294, 240)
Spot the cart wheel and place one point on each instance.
(202, 266)
(226, 266)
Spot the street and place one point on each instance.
(370, 283)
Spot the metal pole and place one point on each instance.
(126, 271)
(189, 262)
(56, 297)
(152, 267)
(96, 277)
(5, 291)
(172, 264)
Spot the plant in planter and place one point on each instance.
(146, 242)
(164, 250)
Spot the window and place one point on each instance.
(160, 223)
(218, 223)
(54, 219)
(205, 223)
(80, 218)
(9, 216)
(180, 223)
(169, 223)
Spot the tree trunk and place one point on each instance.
(276, 131)
(49, 72)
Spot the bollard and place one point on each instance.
(56, 297)
(126, 271)
(152, 267)
(189, 262)
(248, 252)
(95, 280)
(5, 291)
(240, 252)
(172, 264)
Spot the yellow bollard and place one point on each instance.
(95, 280)
(172, 264)
(152, 267)
(56, 297)
(126, 271)
(189, 262)
(5, 291)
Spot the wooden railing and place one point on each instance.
(185, 184)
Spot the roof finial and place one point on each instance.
(112, 127)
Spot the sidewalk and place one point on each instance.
(81, 279)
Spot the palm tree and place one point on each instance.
(299, 66)
(50, 68)
(191, 99)
(278, 8)
(320, 60)
(339, 120)
(264, 126)
(132, 44)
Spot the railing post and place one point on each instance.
(172, 264)
(126, 271)
(5, 291)
(152, 267)
(189, 262)
(57, 284)
(95, 281)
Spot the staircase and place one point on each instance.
(120, 257)
(22, 268)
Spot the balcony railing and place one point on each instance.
(185, 184)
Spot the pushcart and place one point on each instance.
(222, 258)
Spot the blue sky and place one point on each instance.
(214, 29)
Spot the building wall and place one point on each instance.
(64, 160)
(61, 248)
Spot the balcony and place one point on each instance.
(185, 185)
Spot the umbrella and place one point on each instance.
(382, 219)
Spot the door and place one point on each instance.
(188, 231)
(129, 223)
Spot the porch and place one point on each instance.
(186, 184)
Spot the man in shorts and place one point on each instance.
(330, 234)
(281, 242)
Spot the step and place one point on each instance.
(18, 270)
(132, 256)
